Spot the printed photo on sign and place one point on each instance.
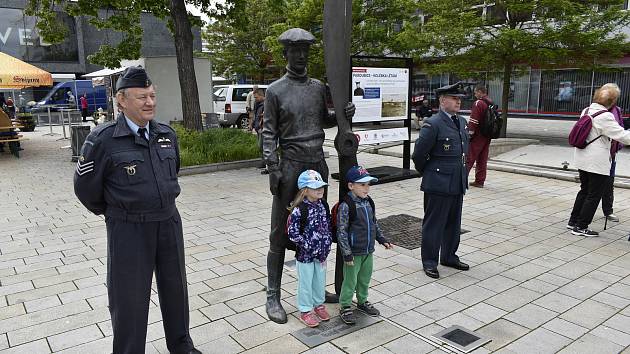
(380, 94)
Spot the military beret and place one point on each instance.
(455, 90)
(296, 36)
(133, 76)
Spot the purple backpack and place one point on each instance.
(581, 129)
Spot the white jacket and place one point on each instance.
(595, 157)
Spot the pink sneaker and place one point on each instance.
(309, 319)
(321, 312)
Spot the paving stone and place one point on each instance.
(392, 288)
(557, 302)
(524, 272)
(531, 316)
(412, 320)
(226, 345)
(589, 314)
(231, 279)
(12, 311)
(23, 277)
(513, 298)
(42, 304)
(502, 332)
(75, 337)
(217, 311)
(471, 295)
(99, 346)
(565, 328)
(539, 341)
(461, 319)
(26, 320)
(613, 335)
(245, 319)
(82, 294)
(619, 322)
(325, 348)
(583, 288)
(539, 286)
(35, 347)
(484, 312)
(430, 291)
(288, 343)
(440, 308)
(368, 338)
(63, 278)
(497, 283)
(403, 302)
(589, 344)
(409, 344)
(211, 331)
(40, 293)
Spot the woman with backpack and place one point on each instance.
(593, 160)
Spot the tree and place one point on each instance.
(376, 30)
(237, 39)
(463, 38)
(125, 18)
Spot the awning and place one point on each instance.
(104, 72)
(17, 74)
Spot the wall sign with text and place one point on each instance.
(380, 94)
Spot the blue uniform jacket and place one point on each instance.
(442, 148)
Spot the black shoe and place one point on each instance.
(584, 232)
(347, 315)
(457, 265)
(195, 351)
(331, 298)
(432, 273)
(369, 309)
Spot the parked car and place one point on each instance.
(229, 104)
(58, 96)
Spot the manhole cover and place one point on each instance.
(327, 331)
(404, 230)
(461, 338)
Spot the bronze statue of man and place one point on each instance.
(293, 135)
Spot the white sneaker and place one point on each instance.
(612, 217)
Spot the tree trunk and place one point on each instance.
(507, 78)
(183, 37)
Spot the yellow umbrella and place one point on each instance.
(17, 74)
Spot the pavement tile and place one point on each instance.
(440, 308)
(502, 332)
(42, 304)
(497, 283)
(412, 320)
(99, 346)
(589, 344)
(245, 319)
(75, 337)
(325, 348)
(409, 344)
(231, 279)
(565, 328)
(531, 316)
(513, 298)
(539, 340)
(217, 311)
(613, 335)
(471, 295)
(368, 338)
(484, 312)
(226, 345)
(619, 322)
(461, 320)
(583, 288)
(431, 291)
(557, 302)
(288, 343)
(392, 288)
(265, 332)
(35, 347)
(589, 314)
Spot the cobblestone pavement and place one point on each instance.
(532, 287)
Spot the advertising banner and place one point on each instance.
(380, 94)
(376, 136)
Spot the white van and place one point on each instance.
(229, 104)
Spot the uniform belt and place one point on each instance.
(143, 216)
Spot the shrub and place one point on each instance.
(215, 145)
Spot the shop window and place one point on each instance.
(565, 91)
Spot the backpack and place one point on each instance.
(304, 217)
(581, 129)
(492, 124)
(352, 208)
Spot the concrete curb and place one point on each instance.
(221, 166)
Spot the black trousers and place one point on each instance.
(592, 187)
(441, 228)
(134, 252)
(608, 196)
(84, 113)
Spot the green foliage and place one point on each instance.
(376, 31)
(215, 145)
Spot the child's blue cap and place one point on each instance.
(358, 174)
(311, 179)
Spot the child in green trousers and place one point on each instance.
(357, 229)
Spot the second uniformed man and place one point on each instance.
(440, 154)
(128, 172)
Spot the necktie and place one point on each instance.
(143, 133)
(456, 121)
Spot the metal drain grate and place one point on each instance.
(461, 338)
(404, 230)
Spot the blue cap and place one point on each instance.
(311, 179)
(358, 174)
(455, 90)
(133, 76)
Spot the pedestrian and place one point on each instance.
(479, 143)
(608, 196)
(71, 100)
(84, 106)
(423, 112)
(293, 137)
(250, 106)
(357, 229)
(127, 172)
(10, 107)
(309, 227)
(440, 152)
(257, 125)
(594, 162)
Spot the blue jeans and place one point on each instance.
(311, 285)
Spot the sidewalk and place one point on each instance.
(532, 286)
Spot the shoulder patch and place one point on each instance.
(84, 167)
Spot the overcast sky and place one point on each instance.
(196, 11)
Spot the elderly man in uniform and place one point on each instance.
(294, 121)
(440, 154)
(127, 171)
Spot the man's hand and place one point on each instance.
(388, 245)
(275, 176)
(349, 111)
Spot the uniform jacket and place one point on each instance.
(118, 170)
(477, 117)
(596, 158)
(445, 147)
(295, 118)
(314, 243)
(357, 238)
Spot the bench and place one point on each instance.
(9, 136)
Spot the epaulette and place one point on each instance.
(102, 127)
